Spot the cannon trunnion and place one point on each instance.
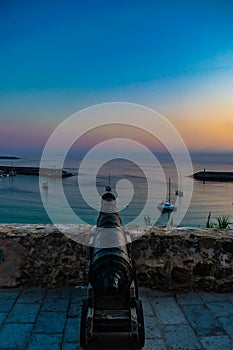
(112, 303)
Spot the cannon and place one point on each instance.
(112, 304)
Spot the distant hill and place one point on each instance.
(8, 157)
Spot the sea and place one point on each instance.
(25, 200)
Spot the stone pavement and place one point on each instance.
(49, 319)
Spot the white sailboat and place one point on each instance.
(167, 206)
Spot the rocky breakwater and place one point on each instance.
(166, 258)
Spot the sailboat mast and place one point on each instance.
(169, 190)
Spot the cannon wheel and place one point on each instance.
(141, 328)
(83, 325)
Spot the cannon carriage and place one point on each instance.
(112, 303)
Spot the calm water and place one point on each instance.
(20, 198)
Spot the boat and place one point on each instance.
(45, 185)
(167, 206)
(179, 193)
(12, 172)
(9, 173)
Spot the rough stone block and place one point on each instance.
(180, 275)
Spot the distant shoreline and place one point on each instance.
(222, 176)
(8, 157)
(36, 171)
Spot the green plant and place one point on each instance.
(224, 221)
(147, 220)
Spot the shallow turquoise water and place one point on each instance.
(20, 197)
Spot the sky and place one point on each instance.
(57, 57)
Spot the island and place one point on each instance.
(221, 176)
(9, 157)
(37, 171)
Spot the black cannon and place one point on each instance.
(112, 303)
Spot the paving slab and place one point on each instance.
(2, 317)
(181, 337)
(189, 299)
(32, 295)
(50, 322)
(152, 328)
(217, 343)
(40, 342)
(227, 324)
(55, 304)
(221, 308)
(59, 293)
(6, 304)
(39, 319)
(23, 313)
(71, 346)
(9, 293)
(71, 332)
(168, 311)
(75, 309)
(14, 336)
(213, 297)
(202, 320)
(230, 297)
(155, 344)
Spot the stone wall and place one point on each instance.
(166, 258)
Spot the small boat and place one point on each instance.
(179, 192)
(45, 185)
(167, 206)
(12, 172)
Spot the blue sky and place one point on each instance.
(60, 56)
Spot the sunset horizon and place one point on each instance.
(175, 58)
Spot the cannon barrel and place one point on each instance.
(112, 303)
(110, 270)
